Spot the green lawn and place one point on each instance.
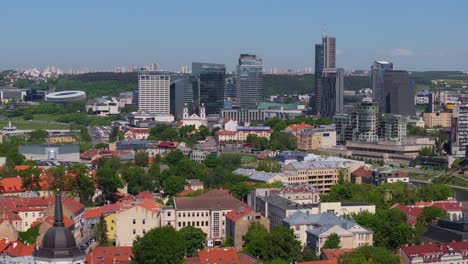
(35, 124)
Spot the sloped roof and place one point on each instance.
(110, 255)
(214, 200)
(238, 213)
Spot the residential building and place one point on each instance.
(426, 99)
(453, 208)
(194, 119)
(378, 69)
(440, 253)
(388, 174)
(51, 152)
(316, 138)
(311, 230)
(276, 208)
(238, 222)
(295, 129)
(249, 82)
(362, 175)
(432, 120)
(262, 176)
(332, 92)
(15, 251)
(351, 234)
(399, 94)
(459, 131)
(135, 220)
(207, 212)
(301, 194)
(392, 127)
(224, 136)
(107, 255)
(211, 80)
(154, 92)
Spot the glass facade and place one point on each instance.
(249, 83)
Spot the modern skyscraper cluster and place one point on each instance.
(329, 81)
(167, 93)
(249, 83)
(392, 89)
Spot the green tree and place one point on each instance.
(136, 179)
(430, 214)
(194, 240)
(434, 192)
(38, 136)
(101, 146)
(369, 255)
(333, 241)
(282, 244)
(108, 182)
(282, 141)
(80, 184)
(58, 181)
(241, 190)
(256, 240)
(14, 158)
(269, 165)
(159, 246)
(31, 178)
(173, 157)
(100, 231)
(141, 158)
(174, 185)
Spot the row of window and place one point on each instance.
(193, 223)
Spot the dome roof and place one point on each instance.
(58, 241)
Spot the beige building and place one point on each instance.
(432, 120)
(135, 220)
(207, 212)
(238, 222)
(224, 136)
(60, 138)
(316, 138)
(322, 225)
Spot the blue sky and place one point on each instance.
(415, 35)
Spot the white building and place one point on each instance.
(103, 107)
(459, 133)
(194, 119)
(154, 92)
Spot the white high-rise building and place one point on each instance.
(154, 92)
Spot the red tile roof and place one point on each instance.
(92, 213)
(146, 195)
(11, 185)
(110, 255)
(449, 205)
(331, 261)
(334, 253)
(215, 200)
(434, 251)
(224, 255)
(411, 213)
(21, 167)
(300, 126)
(238, 213)
(225, 133)
(361, 172)
(4, 244)
(185, 192)
(18, 249)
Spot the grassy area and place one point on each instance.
(247, 159)
(19, 123)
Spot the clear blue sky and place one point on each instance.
(415, 35)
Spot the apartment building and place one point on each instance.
(432, 120)
(316, 138)
(241, 134)
(135, 220)
(238, 222)
(440, 253)
(207, 212)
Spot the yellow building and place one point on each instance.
(437, 119)
(110, 224)
(60, 138)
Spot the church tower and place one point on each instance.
(185, 114)
(58, 245)
(202, 111)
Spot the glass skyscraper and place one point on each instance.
(325, 58)
(377, 71)
(210, 83)
(249, 82)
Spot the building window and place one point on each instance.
(144, 231)
(180, 224)
(26, 214)
(134, 231)
(134, 221)
(143, 221)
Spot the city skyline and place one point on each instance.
(96, 35)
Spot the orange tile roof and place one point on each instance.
(92, 213)
(238, 213)
(224, 255)
(334, 253)
(150, 205)
(300, 126)
(110, 255)
(11, 185)
(21, 167)
(4, 244)
(330, 261)
(18, 249)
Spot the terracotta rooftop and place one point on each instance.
(300, 126)
(238, 213)
(224, 255)
(434, 252)
(18, 249)
(361, 172)
(411, 213)
(92, 213)
(110, 255)
(330, 261)
(334, 253)
(214, 200)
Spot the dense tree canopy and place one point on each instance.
(194, 240)
(159, 246)
(333, 241)
(369, 255)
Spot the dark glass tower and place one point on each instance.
(377, 75)
(398, 93)
(249, 82)
(210, 85)
(319, 63)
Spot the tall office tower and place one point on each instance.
(319, 62)
(392, 127)
(177, 98)
(398, 93)
(154, 92)
(459, 131)
(210, 85)
(249, 82)
(332, 83)
(378, 69)
(329, 52)
(230, 88)
(325, 58)
(368, 120)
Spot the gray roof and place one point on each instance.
(257, 175)
(301, 218)
(41, 148)
(286, 204)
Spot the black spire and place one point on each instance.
(58, 211)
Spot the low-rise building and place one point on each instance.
(432, 120)
(238, 222)
(241, 134)
(361, 175)
(51, 152)
(388, 174)
(440, 253)
(137, 133)
(194, 120)
(58, 137)
(145, 119)
(313, 230)
(103, 107)
(453, 208)
(108, 255)
(446, 231)
(316, 138)
(207, 212)
(221, 255)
